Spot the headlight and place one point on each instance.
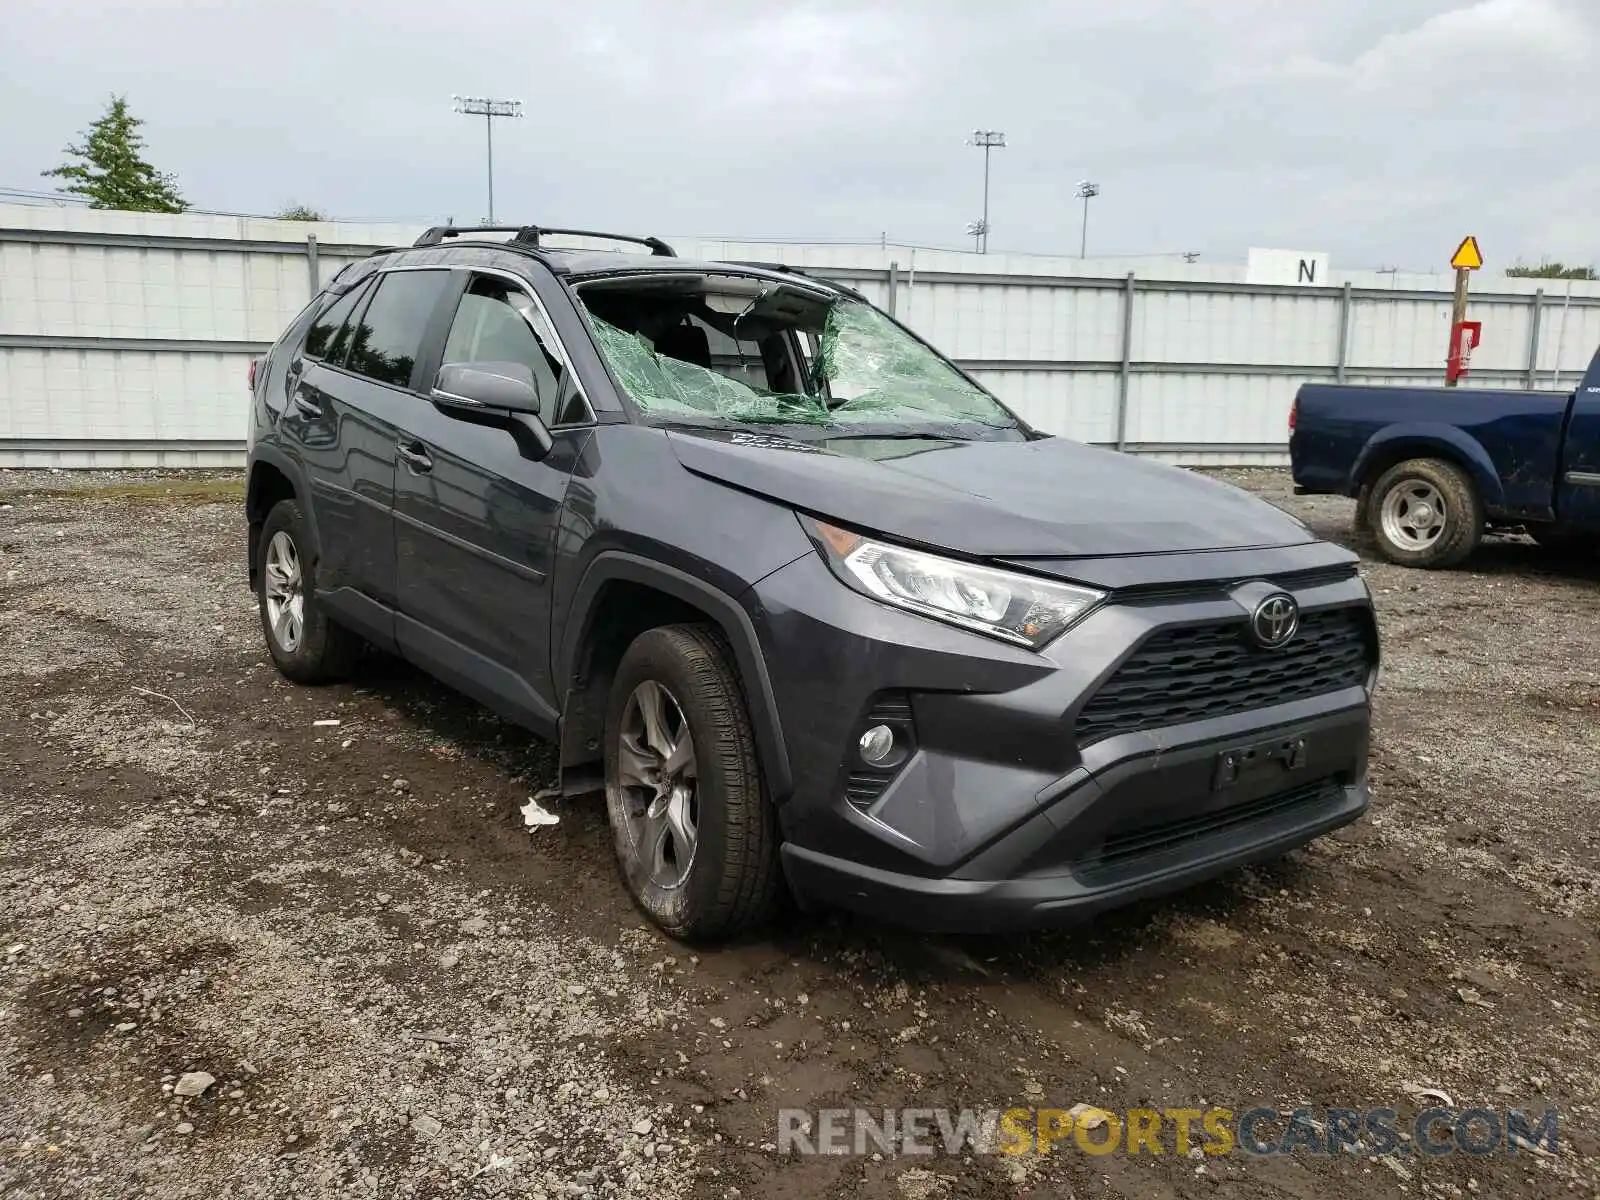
(1016, 608)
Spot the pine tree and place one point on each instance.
(113, 173)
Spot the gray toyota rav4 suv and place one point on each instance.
(815, 610)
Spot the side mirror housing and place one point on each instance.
(501, 395)
(507, 386)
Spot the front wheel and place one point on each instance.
(1425, 513)
(694, 831)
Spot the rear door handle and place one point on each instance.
(307, 408)
(415, 456)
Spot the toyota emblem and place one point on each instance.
(1275, 621)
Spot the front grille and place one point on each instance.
(1170, 835)
(1190, 674)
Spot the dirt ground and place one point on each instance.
(401, 991)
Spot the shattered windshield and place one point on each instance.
(734, 351)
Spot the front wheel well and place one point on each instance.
(621, 612)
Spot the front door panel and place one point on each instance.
(1579, 506)
(475, 527)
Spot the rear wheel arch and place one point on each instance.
(269, 482)
(1380, 457)
(622, 595)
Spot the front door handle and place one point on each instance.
(415, 456)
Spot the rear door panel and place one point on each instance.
(335, 421)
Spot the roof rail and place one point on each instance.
(529, 235)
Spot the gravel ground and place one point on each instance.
(395, 989)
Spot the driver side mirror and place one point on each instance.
(508, 386)
(502, 395)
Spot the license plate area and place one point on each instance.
(1276, 757)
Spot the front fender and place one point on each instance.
(731, 618)
(1427, 439)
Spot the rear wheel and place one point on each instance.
(693, 828)
(1425, 513)
(304, 642)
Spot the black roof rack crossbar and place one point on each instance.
(438, 233)
(529, 235)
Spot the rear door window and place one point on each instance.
(386, 340)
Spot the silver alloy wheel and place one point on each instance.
(285, 592)
(657, 779)
(1413, 515)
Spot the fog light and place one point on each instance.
(877, 745)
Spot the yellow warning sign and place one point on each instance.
(1467, 256)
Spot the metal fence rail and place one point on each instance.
(123, 340)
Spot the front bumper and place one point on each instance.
(1146, 829)
(1003, 817)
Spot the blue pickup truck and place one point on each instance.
(1432, 468)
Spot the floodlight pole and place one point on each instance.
(989, 139)
(1086, 192)
(480, 106)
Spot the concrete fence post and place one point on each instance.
(313, 270)
(1535, 318)
(1125, 376)
(1343, 359)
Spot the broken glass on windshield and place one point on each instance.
(726, 350)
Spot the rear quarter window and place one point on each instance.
(323, 341)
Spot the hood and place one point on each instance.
(1051, 498)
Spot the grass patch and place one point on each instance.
(159, 491)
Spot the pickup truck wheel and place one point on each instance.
(694, 831)
(1425, 513)
(305, 644)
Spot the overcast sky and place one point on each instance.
(1378, 130)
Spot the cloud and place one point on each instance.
(1376, 129)
(1501, 39)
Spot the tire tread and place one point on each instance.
(748, 877)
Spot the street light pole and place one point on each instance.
(989, 139)
(480, 106)
(1086, 191)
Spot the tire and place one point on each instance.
(1450, 508)
(713, 800)
(319, 650)
(1362, 522)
